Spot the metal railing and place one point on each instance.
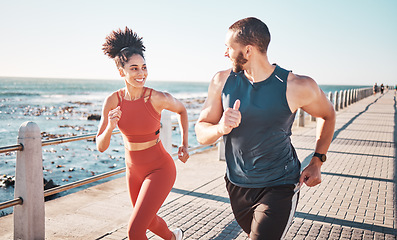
(11, 203)
(12, 148)
(19, 147)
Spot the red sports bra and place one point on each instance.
(139, 121)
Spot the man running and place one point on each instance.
(253, 107)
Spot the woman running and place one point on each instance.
(136, 110)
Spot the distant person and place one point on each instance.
(136, 110)
(375, 88)
(382, 88)
(253, 107)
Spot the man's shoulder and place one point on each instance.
(221, 76)
(219, 79)
(301, 82)
(301, 90)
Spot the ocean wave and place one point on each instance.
(16, 94)
(190, 95)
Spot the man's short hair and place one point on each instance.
(251, 31)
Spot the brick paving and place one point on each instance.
(356, 199)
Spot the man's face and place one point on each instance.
(234, 52)
(238, 63)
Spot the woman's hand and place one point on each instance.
(183, 153)
(114, 117)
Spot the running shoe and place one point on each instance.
(178, 234)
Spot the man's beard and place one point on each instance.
(239, 63)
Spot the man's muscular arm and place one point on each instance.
(213, 122)
(307, 95)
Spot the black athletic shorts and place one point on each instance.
(263, 213)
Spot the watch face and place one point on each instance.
(322, 157)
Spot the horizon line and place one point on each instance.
(153, 80)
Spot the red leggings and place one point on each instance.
(150, 175)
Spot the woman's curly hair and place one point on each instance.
(121, 45)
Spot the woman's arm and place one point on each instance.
(111, 114)
(162, 100)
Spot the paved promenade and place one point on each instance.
(356, 199)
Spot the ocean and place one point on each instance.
(57, 102)
(60, 107)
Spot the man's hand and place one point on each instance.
(311, 175)
(231, 118)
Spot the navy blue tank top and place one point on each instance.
(259, 152)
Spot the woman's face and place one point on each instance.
(135, 71)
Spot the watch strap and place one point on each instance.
(322, 157)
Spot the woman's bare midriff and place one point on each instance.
(130, 146)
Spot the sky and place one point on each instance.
(335, 42)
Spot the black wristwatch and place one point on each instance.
(322, 157)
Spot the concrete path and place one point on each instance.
(356, 200)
